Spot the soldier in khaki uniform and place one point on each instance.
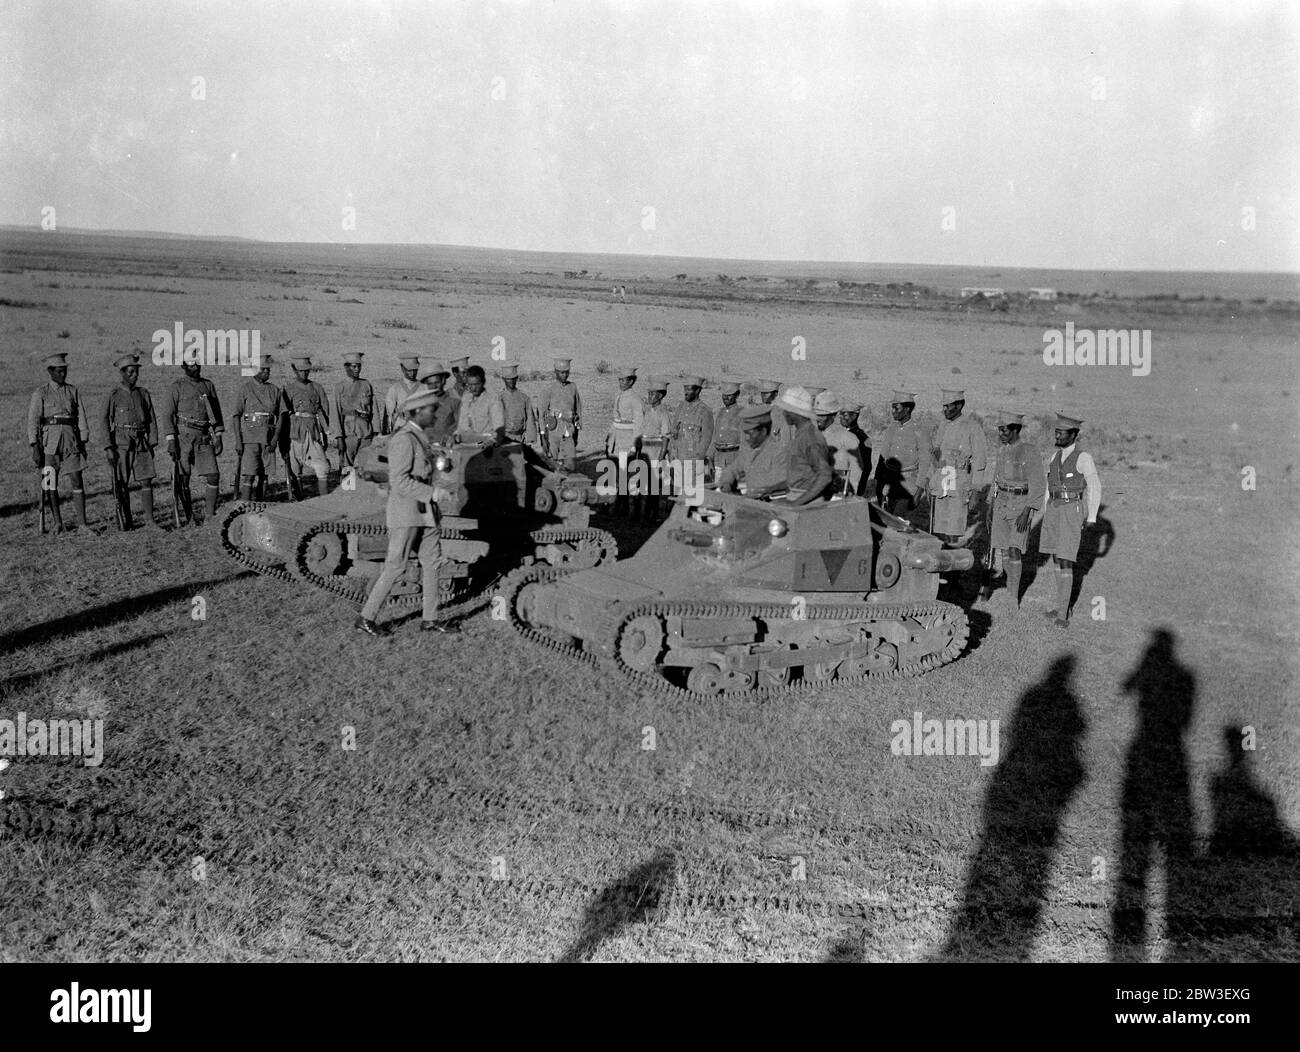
(623, 442)
(354, 412)
(309, 420)
(521, 420)
(656, 422)
(958, 476)
(131, 432)
(258, 420)
(1019, 483)
(192, 425)
(761, 466)
(905, 458)
(845, 457)
(727, 432)
(561, 411)
(459, 383)
(446, 409)
(482, 418)
(1073, 498)
(392, 417)
(690, 436)
(57, 432)
(412, 517)
(859, 454)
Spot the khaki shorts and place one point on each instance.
(196, 452)
(1062, 528)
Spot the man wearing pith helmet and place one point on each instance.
(354, 411)
(560, 409)
(1073, 498)
(131, 432)
(904, 459)
(809, 470)
(1017, 493)
(412, 517)
(958, 477)
(308, 424)
(398, 392)
(258, 422)
(57, 432)
(727, 432)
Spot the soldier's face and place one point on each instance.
(58, 373)
(848, 417)
(768, 397)
(730, 399)
(191, 369)
(625, 383)
(510, 381)
(130, 375)
(655, 397)
(757, 435)
(475, 385)
(352, 370)
(409, 372)
(952, 410)
(690, 393)
(1066, 436)
(824, 420)
(436, 383)
(562, 375)
(1008, 433)
(902, 411)
(301, 374)
(263, 374)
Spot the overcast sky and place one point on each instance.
(1095, 135)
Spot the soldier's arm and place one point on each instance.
(577, 406)
(323, 409)
(1037, 476)
(83, 420)
(151, 418)
(214, 409)
(706, 435)
(106, 422)
(168, 415)
(530, 422)
(336, 418)
(979, 459)
(1090, 476)
(35, 409)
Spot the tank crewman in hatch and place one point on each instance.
(131, 432)
(810, 473)
(481, 418)
(57, 432)
(354, 411)
(1073, 498)
(762, 463)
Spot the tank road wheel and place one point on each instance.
(773, 677)
(324, 554)
(706, 679)
(641, 641)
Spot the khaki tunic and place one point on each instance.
(629, 417)
(1019, 482)
(964, 449)
(763, 470)
(61, 440)
(131, 430)
(520, 423)
(904, 452)
(728, 436)
(691, 432)
(392, 416)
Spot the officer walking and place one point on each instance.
(691, 431)
(761, 465)
(354, 412)
(521, 420)
(412, 517)
(308, 424)
(1073, 497)
(259, 413)
(392, 418)
(623, 442)
(656, 422)
(446, 407)
(193, 426)
(809, 470)
(131, 433)
(481, 418)
(726, 429)
(905, 458)
(1019, 483)
(959, 474)
(561, 412)
(57, 432)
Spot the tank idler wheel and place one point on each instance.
(641, 641)
(324, 555)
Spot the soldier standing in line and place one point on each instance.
(691, 432)
(809, 471)
(762, 463)
(460, 384)
(392, 417)
(412, 517)
(905, 458)
(354, 412)
(962, 458)
(1072, 484)
(860, 453)
(308, 424)
(521, 421)
(843, 445)
(258, 414)
(561, 411)
(193, 426)
(482, 418)
(727, 431)
(656, 422)
(57, 432)
(623, 442)
(1019, 483)
(767, 390)
(131, 432)
(446, 408)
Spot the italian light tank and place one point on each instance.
(508, 507)
(738, 595)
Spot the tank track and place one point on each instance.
(623, 614)
(296, 569)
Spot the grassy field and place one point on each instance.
(499, 803)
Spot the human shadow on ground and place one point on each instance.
(625, 901)
(1155, 804)
(1040, 771)
(1095, 543)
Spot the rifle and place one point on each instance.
(121, 498)
(989, 495)
(180, 493)
(295, 487)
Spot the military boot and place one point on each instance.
(210, 494)
(146, 499)
(1013, 583)
(79, 506)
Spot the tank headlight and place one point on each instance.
(570, 494)
(442, 463)
(778, 528)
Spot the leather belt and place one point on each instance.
(725, 448)
(1065, 495)
(1010, 489)
(359, 416)
(306, 416)
(258, 416)
(138, 428)
(58, 420)
(197, 425)
(624, 424)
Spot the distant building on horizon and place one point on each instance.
(1042, 294)
(987, 293)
